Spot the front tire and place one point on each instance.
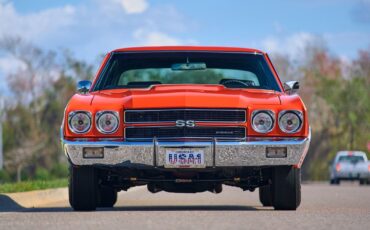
(265, 194)
(334, 182)
(82, 188)
(286, 188)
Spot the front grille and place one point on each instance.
(171, 115)
(175, 132)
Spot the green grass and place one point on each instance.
(32, 185)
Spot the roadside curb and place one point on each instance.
(37, 198)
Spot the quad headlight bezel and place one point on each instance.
(264, 116)
(86, 115)
(295, 114)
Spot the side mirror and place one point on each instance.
(83, 87)
(291, 87)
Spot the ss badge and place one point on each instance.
(183, 123)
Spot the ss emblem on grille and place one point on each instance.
(183, 123)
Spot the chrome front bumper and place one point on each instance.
(251, 152)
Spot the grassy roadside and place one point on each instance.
(32, 185)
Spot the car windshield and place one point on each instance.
(351, 159)
(144, 69)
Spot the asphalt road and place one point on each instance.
(323, 207)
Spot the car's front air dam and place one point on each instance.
(249, 152)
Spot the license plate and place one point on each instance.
(184, 158)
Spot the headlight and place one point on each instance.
(107, 121)
(262, 121)
(290, 121)
(79, 121)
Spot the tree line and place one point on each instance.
(38, 91)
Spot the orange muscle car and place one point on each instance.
(185, 119)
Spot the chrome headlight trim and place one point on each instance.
(268, 112)
(298, 113)
(72, 114)
(102, 112)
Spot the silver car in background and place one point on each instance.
(350, 165)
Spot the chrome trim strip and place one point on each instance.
(267, 141)
(158, 122)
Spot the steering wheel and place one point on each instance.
(235, 83)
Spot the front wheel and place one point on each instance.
(82, 188)
(286, 186)
(334, 181)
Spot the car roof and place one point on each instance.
(353, 153)
(188, 48)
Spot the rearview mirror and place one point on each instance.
(291, 87)
(83, 87)
(189, 66)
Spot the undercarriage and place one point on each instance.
(185, 180)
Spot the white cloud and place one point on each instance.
(154, 38)
(134, 6)
(10, 64)
(97, 26)
(92, 28)
(271, 45)
(293, 45)
(147, 37)
(35, 25)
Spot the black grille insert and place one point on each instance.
(171, 115)
(175, 132)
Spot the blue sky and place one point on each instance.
(92, 27)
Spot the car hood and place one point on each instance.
(185, 96)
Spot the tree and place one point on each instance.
(39, 90)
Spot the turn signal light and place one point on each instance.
(93, 152)
(276, 152)
(338, 167)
